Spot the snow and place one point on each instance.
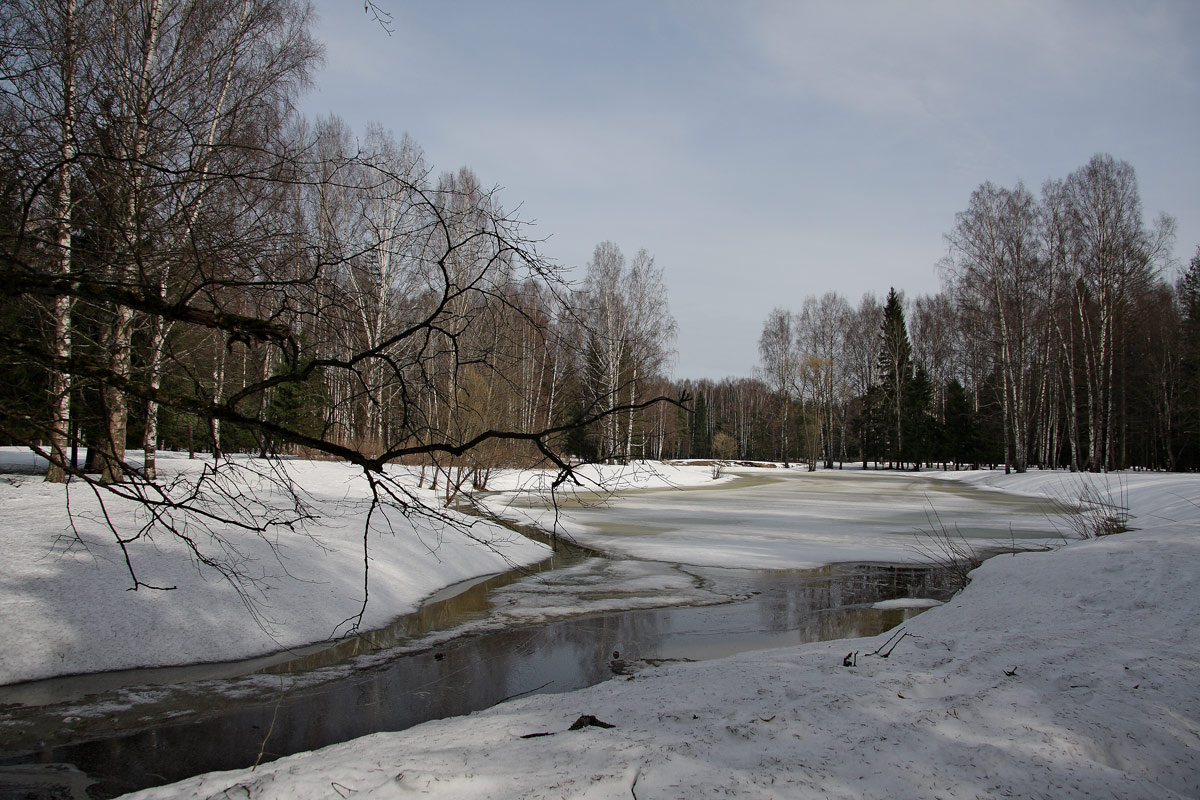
(603, 479)
(907, 602)
(825, 517)
(65, 607)
(1066, 673)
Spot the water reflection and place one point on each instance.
(473, 672)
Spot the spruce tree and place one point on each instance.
(302, 406)
(895, 369)
(919, 425)
(960, 438)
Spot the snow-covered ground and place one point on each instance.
(65, 606)
(1070, 673)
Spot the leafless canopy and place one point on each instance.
(183, 257)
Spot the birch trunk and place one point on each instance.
(60, 383)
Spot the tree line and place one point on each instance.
(1057, 341)
(188, 263)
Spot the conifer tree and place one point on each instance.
(960, 440)
(919, 426)
(895, 369)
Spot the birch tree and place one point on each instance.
(167, 84)
(289, 285)
(608, 336)
(1062, 293)
(779, 366)
(380, 279)
(651, 331)
(821, 332)
(995, 272)
(45, 65)
(860, 356)
(1114, 255)
(629, 331)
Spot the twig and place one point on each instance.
(521, 694)
(899, 632)
(270, 728)
(893, 647)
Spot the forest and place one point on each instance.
(1058, 340)
(188, 263)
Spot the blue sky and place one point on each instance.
(767, 151)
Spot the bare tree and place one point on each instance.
(995, 272)
(821, 330)
(630, 331)
(154, 91)
(1113, 256)
(1061, 332)
(935, 331)
(292, 285)
(377, 278)
(780, 366)
(651, 330)
(608, 335)
(45, 60)
(860, 356)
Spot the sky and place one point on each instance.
(764, 152)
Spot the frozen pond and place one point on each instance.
(799, 520)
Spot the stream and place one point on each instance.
(136, 737)
(597, 617)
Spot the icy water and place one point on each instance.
(811, 518)
(469, 648)
(145, 737)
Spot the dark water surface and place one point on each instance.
(338, 694)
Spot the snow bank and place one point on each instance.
(1064, 674)
(1152, 498)
(65, 606)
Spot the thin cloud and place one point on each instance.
(914, 59)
